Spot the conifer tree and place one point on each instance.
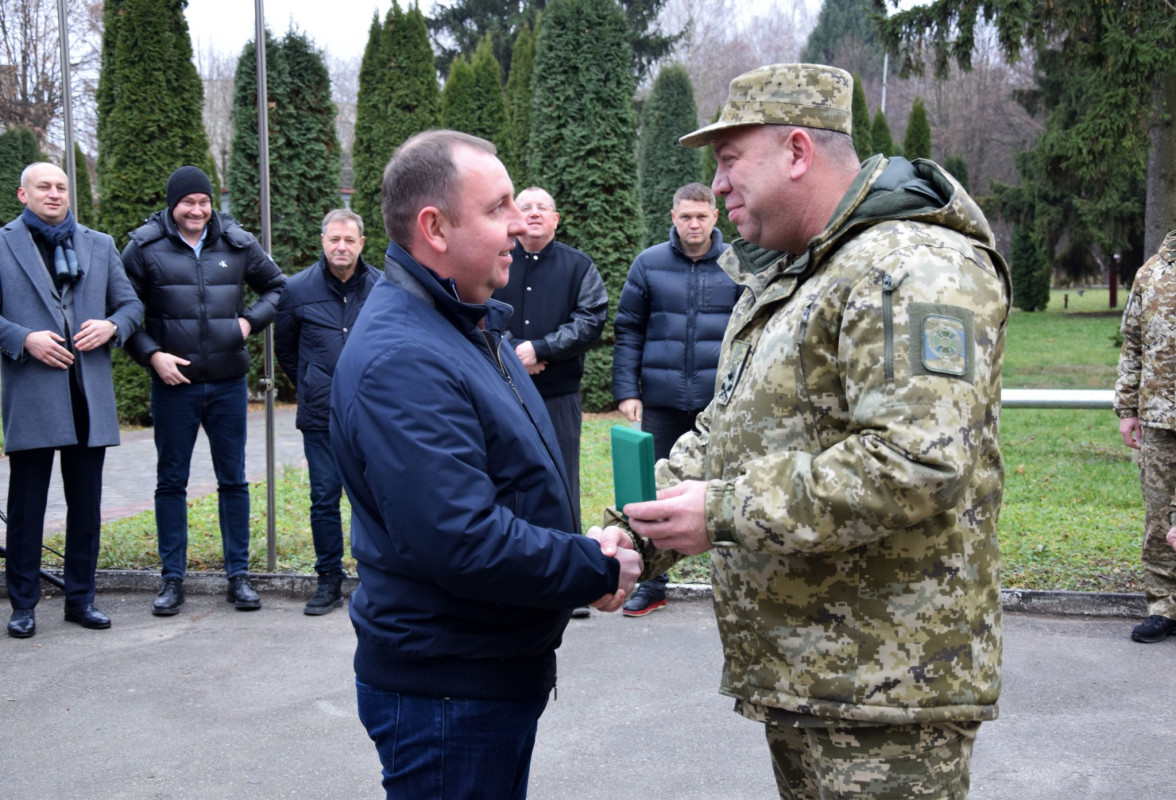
(304, 151)
(917, 142)
(847, 35)
(150, 104)
(1106, 86)
(18, 149)
(493, 119)
(473, 102)
(398, 97)
(518, 106)
(457, 103)
(371, 149)
(304, 159)
(880, 136)
(582, 148)
(1029, 270)
(957, 167)
(81, 190)
(663, 164)
(863, 138)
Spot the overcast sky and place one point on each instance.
(338, 26)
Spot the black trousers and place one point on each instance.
(568, 420)
(28, 490)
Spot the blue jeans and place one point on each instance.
(178, 413)
(445, 748)
(326, 488)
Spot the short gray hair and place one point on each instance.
(342, 215)
(422, 173)
(24, 173)
(836, 144)
(538, 189)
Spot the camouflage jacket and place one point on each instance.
(854, 474)
(1147, 362)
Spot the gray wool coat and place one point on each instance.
(34, 397)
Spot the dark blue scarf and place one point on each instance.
(60, 238)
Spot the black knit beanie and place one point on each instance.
(185, 181)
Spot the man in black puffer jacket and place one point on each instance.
(188, 265)
(315, 317)
(674, 308)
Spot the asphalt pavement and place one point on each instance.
(216, 703)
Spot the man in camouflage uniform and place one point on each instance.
(1146, 405)
(846, 478)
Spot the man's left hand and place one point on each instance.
(94, 333)
(1172, 538)
(676, 520)
(246, 328)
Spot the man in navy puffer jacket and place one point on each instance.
(674, 308)
(315, 317)
(462, 523)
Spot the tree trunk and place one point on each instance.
(1160, 216)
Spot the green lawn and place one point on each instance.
(1071, 519)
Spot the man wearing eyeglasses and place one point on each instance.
(559, 304)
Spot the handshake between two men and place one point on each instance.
(674, 521)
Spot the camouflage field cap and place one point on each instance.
(810, 95)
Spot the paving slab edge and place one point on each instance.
(1091, 604)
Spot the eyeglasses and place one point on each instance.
(542, 208)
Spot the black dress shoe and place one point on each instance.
(88, 616)
(23, 624)
(241, 593)
(169, 599)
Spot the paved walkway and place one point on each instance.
(128, 478)
(216, 703)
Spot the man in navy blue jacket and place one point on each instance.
(674, 309)
(315, 315)
(462, 523)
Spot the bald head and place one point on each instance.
(44, 189)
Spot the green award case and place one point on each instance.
(632, 458)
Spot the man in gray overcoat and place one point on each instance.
(64, 300)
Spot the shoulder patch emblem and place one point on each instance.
(946, 339)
